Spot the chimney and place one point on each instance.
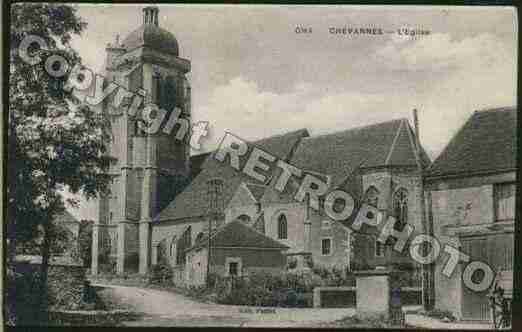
(150, 15)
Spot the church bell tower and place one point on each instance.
(149, 168)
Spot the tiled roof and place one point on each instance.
(236, 234)
(193, 202)
(339, 154)
(486, 143)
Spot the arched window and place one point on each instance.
(184, 242)
(400, 208)
(371, 196)
(199, 237)
(282, 227)
(172, 251)
(245, 219)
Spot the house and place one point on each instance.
(471, 205)
(235, 250)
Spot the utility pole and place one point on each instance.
(426, 275)
(215, 208)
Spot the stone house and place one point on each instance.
(471, 204)
(236, 250)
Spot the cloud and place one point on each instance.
(447, 81)
(440, 52)
(242, 108)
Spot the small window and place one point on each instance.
(371, 197)
(504, 201)
(282, 227)
(233, 269)
(326, 246)
(199, 237)
(245, 219)
(379, 249)
(110, 216)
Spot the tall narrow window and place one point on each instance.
(326, 246)
(169, 96)
(199, 237)
(172, 250)
(282, 227)
(379, 249)
(400, 208)
(232, 269)
(371, 196)
(504, 201)
(156, 89)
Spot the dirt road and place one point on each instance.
(164, 308)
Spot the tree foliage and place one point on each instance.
(54, 142)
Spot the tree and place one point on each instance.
(54, 142)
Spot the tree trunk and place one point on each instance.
(44, 296)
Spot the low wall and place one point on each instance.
(334, 297)
(345, 297)
(90, 318)
(66, 283)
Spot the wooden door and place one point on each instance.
(496, 250)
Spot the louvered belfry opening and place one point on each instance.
(150, 15)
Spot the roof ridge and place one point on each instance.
(245, 185)
(355, 128)
(416, 149)
(496, 109)
(387, 160)
(255, 184)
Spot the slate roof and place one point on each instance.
(196, 162)
(486, 143)
(256, 190)
(154, 37)
(339, 154)
(236, 234)
(192, 202)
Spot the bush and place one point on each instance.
(440, 314)
(161, 274)
(309, 262)
(291, 264)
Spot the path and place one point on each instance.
(165, 308)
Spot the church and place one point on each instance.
(158, 205)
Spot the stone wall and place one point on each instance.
(167, 231)
(65, 282)
(459, 202)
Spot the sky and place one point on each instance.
(254, 76)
